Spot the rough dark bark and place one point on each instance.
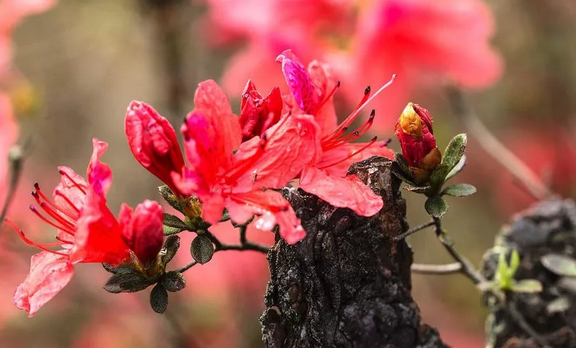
(549, 227)
(347, 284)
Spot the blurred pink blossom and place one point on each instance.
(423, 41)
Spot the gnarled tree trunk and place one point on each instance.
(347, 284)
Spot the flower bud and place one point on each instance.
(414, 131)
(142, 230)
(153, 142)
(257, 114)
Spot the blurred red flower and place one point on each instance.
(365, 42)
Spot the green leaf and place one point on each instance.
(173, 281)
(169, 197)
(559, 264)
(159, 299)
(168, 231)
(438, 176)
(454, 151)
(527, 286)
(514, 263)
(174, 221)
(122, 269)
(501, 276)
(402, 162)
(436, 206)
(168, 251)
(202, 249)
(417, 189)
(459, 190)
(127, 282)
(457, 168)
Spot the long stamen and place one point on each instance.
(348, 121)
(352, 154)
(337, 141)
(53, 214)
(29, 242)
(37, 194)
(43, 218)
(329, 96)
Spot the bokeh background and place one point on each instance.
(69, 68)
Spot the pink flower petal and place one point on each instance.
(99, 174)
(49, 273)
(348, 192)
(291, 144)
(98, 236)
(270, 209)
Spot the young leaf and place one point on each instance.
(436, 206)
(127, 282)
(168, 251)
(527, 286)
(202, 249)
(559, 264)
(459, 190)
(174, 221)
(457, 168)
(438, 176)
(454, 151)
(514, 263)
(402, 162)
(173, 281)
(169, 197)
(159, 299)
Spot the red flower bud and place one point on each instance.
(257, 114)
(142, 230)
(153, 142)
(414, 131)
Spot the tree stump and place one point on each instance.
(347, 283)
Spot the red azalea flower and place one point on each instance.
(87, 231)
(153, 142)
(312, 91)
(222, 179)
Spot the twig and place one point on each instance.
(484, 285)
(186, 267)
(450, 268)
(495, 148)
(16, 160)
(244, 244)
(413, 230)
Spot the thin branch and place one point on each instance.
(468, 269)
(413, 230)
(450, 268)
(16, 160)
(186, 267)
(495, 148)
(246, 245)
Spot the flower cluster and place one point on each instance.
(365, 41)
(232, 168)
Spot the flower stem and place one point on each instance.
(413, 230)
(186, 267)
